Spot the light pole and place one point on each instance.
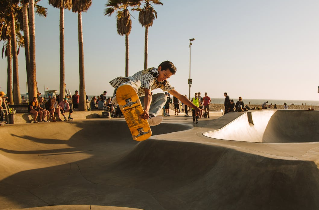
(190, 67)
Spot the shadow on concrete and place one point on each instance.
(99, 164)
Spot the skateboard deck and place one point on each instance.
(132, 109)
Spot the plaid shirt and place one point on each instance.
(148, 79)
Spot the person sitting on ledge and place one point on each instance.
(65, 107)
(240, 106)
(34, 110)
(45, 112)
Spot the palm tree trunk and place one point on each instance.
(32, 77)
(9, 82)
(126, 54)
(62, 72)
(16, 87)
(26, 42)
(146, 47)
(82, 104)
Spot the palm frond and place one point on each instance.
(41, 11)
(147, 15)
(81, 5)
(109, 11)
(124, 22)
(66, 4)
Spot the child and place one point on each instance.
(144, 82)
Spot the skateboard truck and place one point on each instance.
(141, 132)
(129, 103)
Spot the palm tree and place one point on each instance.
(9, 10)
(62, 4)
(80, 6)
(25, 26)
(146, 17)
(6, 49)
(24, 22)
(32, 80)
(124, 22)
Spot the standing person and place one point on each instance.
(206, 103)
(186, 109)
(103, 96)
(195, 101)
(76, 100)
(200, 99)
(226, 103)
(166, 106)
(150, 79)
(176, 105)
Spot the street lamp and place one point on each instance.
(190, 67)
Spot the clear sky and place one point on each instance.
(257, 49)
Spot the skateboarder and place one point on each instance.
(144, 82)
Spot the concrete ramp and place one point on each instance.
(292, 126)
(271, 126)
(96, 165)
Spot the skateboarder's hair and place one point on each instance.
(168, 65)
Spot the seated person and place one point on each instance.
(34, 110)
(49, 108)
(240, 106)
(109, 105)
(118, 112)
(45, 112)
(53, 107)
(264, 105)
(93, 103)
(65, 107)
(231, 107)
(2, 106)
(100, 104)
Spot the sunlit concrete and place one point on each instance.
(94, 164)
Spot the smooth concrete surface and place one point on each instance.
(22, 118)
(94, 164)
(271, 126)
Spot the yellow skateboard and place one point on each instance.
(132, 109)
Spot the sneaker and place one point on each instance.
(70, 118)
(155, 120)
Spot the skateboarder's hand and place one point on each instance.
(145, 115)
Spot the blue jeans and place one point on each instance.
(157, 104)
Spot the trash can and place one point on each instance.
(105, 114)
(11, 118)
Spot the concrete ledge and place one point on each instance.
(21, 118)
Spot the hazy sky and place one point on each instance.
(257, 49)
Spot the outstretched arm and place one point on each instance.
(184, 100)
